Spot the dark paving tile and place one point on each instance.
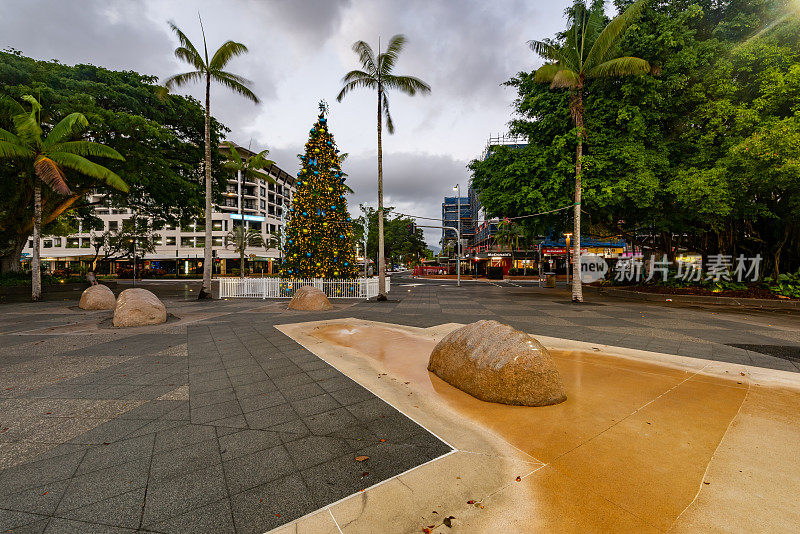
(313, 450)
(251, 470)
(268, 417)
(172, 497)
(215, 517)
(270, 505)
(177, 462)
(68, 526)
(124, 510)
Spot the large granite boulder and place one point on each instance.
(97, 297)
(138, 307)
(497, 363)
(310, 298)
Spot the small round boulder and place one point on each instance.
(310, 298)
(139, 307)
(97, 297)
(495, 362)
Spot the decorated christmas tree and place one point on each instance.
(319, 237)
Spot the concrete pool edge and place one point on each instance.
(485, 443)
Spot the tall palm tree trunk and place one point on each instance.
(205, 291)
(381, 258)
(577, 288)
(241, 261)
(36, 271)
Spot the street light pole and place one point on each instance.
(458, 248)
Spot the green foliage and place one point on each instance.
(702, 156)
(785, 284)
(161, 141)
(400, 241)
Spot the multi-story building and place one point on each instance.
(450, 216)
(256, 203)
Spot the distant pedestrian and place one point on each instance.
(91, 278)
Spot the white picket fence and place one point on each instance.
(276, 288)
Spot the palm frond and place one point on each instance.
(235, 83)
(366, 56)
(389, 123)
(546, 50)
(14, 150)
(357, 75)
(369, 83)
(36, 107)
(179, 80)
(66, 128)
(565, 79)
(407, 84)
(546, 73)
(225, 53)
(609, 37)
(9, 137)
(191, 57)
(234, 159)
(621, 66)
(27, 125)
(387, 60)
(13, 107)
(86, 148)
(89, 168)
(49, 172)
(185, 42)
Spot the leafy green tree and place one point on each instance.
(207, 70)
(161, 141)
(402, 238)
(588, 51)
(376, 75)
(43, 158)
(240, 238)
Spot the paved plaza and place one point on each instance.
(218, 422)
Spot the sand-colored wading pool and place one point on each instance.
(644, 442)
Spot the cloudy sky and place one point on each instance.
(299, 51)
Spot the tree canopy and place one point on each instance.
(160, 139)
(702, 156)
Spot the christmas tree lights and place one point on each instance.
(319, 234)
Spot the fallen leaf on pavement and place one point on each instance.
(519, 479)
(470, 502)
(361, 458)
(448, 521)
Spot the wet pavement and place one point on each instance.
(622, 454)
(99, 426)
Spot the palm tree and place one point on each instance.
(44, 158)
(253, 167)
(377, 76)
(509, 234)
(589, 51)
(240, 238)
(274, 242)
(208, 70)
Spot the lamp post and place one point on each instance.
(458, 247)
(568, 236)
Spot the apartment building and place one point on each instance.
(256, 203)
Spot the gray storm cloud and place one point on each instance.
(299, 51)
